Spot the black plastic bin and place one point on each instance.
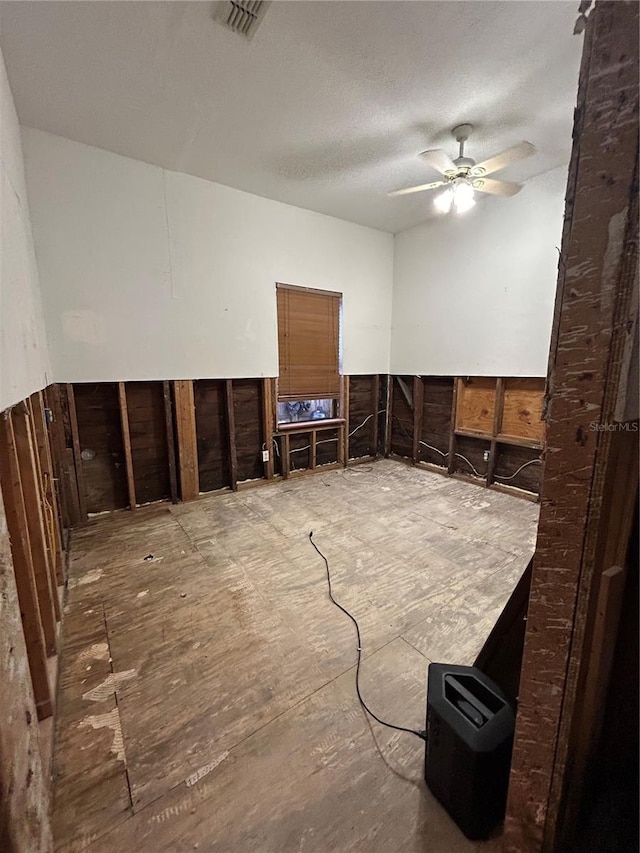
(468, 750)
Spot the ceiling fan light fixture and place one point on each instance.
(443, 201)
(463, 197)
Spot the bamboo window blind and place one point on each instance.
(308, 343)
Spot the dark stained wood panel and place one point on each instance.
(248, 412)
(327, 447)
(436, 418)
(472, 449)
(509, 459)
(362, 416)
(148, 434)
(101, 447)
(212, 434)
(300, 451)
(402, 417)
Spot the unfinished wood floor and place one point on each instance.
(207, 693)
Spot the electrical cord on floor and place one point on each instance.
(418, 733)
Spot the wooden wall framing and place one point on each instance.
(489, 430)
(121, 445)
(30, 495)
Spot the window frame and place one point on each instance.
(339, 399)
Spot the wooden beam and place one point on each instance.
(451, 460)
(48, 535)
(388, 416)
(497, 426)
(231, 429)
(126, 444)
(50, 501)
(343, 437)
(23, 568)
(77, 457)
(171, 442)
(286, 458)
(342, 444)
(63, 458)
(47, 593)
(187, 439)
(268, 425)
(53, 485)
(376, 408)
(313, 449)
(418, 405)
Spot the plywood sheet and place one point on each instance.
(476, 404)
(522, 412)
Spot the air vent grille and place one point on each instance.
(241, 16)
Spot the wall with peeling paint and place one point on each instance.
(474, 294)
(24, 357)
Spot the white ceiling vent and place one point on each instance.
(241, 16)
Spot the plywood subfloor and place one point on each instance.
(207, 692)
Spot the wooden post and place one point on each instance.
(388, 417)
(171, 443)
(187, 439)
(497, 428)
(48, 491)
(52, 485)
(231, 428)
(343, 438)
(418, 404)
(286, 458)
(47, 592)
(126, 443)
(342, 444)
(23, 568)
(77, 457)
(451, 460)
(67, 484)
(314, 437)
(376, 407)
(267, 426)
(48, 537)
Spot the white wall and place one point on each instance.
(24, 360)
(148, 274)
(474, 294)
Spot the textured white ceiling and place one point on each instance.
(326, 108)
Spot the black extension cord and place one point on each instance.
(421, 734)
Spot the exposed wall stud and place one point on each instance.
(77, 457)
(267, 425)
(126, 443)
(187, 440)
(231, 429)
(23, 568)
(418, 404)
(171, 443)
(47, 593)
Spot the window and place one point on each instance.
(308, 352)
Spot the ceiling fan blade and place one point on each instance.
(438, 160)
(489, 185)
(419, 188)
(504, 159)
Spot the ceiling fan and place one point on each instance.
(463, 176)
